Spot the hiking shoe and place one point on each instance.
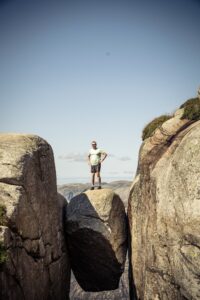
(99, 187)
(92, 188)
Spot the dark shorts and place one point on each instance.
(96, 168)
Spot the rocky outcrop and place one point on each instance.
(164, 213)
(34, 258)
(96, 229)
(122, 188)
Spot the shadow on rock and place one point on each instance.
(96, 228)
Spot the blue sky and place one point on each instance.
(75, 71)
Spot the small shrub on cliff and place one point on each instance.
(2, 214)
(191, 109)
(151, 127)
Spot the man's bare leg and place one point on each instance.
(99, 178)
(93, 178)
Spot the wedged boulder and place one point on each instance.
(164, 213)
(122, 188)
(34, 260)
(96, 229)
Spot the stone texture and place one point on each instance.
(164, 213)
(122, 188)
(96, 228)
(37, 264)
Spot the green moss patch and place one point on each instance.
(3, 254)
(2, 214)
(191, 109)
(151, 127)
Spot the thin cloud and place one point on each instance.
(82, 157)
(111, 155)
(77, 157)
(124, 158)
(128, 172)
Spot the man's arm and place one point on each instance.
(89, 159)
(105, 155)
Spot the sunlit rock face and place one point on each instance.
(34, 260)
(164, 213)
(96, 230)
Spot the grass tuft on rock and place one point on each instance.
(191, 109)
(155, 123)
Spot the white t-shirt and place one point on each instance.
(95, 156)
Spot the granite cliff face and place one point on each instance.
(164, 213)
(34, 259)
(96, 229)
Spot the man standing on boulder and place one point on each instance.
(95, 160)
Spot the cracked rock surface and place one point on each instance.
(164, 213)
(96, 229)
(37, 264)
